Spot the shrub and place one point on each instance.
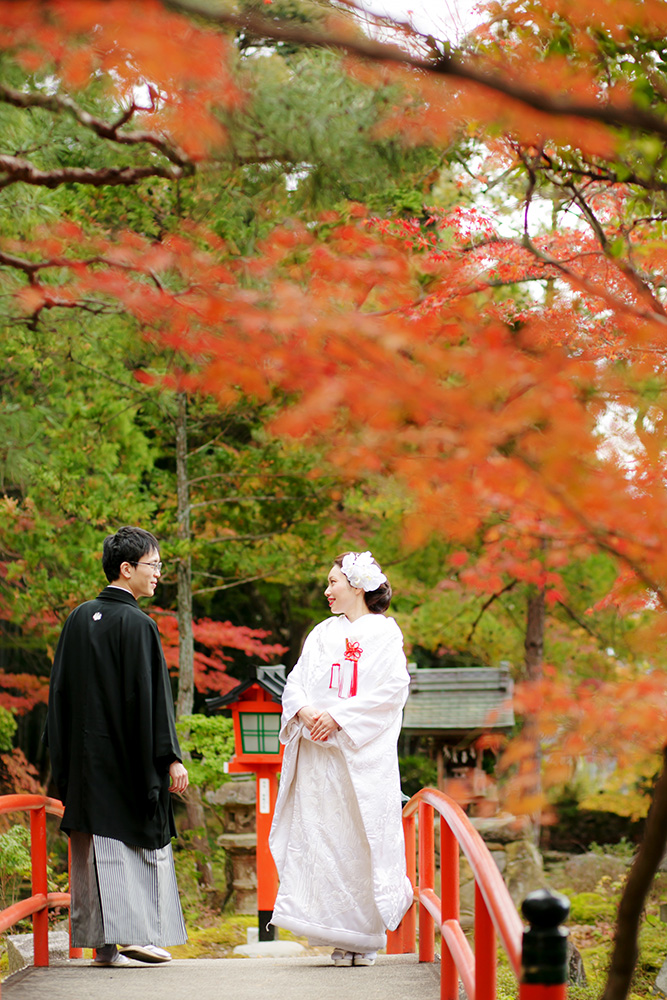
(416, 772)
(209, 739)
(7, 730)
(15, 865)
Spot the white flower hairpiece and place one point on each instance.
(362, 571)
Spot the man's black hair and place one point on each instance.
(127, 545)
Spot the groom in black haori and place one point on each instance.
(115, 759)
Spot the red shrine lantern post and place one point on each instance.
(256, 709)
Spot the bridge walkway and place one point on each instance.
(400, 977)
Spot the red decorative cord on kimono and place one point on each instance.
(352, 653)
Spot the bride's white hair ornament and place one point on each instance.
(362, 571)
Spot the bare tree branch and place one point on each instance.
(229, 586)
(251, 498)
(655, 313)
(621, 115)
(225, 539)
(485, 607)
(578, 620)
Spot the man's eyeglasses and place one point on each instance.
(153, 565)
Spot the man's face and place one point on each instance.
(145, 575)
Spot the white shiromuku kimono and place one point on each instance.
(337, 835)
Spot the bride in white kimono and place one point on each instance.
(337, 836)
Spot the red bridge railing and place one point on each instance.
(41, 899)
(496, 918)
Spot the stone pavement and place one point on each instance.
(394, 977)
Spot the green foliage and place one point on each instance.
(7, 730)
(624, 850)
(199, 902)
(594, 986)
(416, 771)
(209, 739)
(507, 987)
(651, 956)
(591, 908)
(447, 623)
(15, 863)
(593, 882)
(310, 132)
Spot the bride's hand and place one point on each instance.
(307, 715)
(324, 725)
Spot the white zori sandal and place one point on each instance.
(367, 959)
(340, 957)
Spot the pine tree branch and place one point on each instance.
(17, 170)
(105, 130)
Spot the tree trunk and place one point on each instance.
(651, 850)
(196, 818)
(534, 642)
(533, 659)
(186, 646)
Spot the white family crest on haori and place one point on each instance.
(362, 571)
(337, 836)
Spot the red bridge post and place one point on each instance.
(450, 906)
(40, 919)
(426, 881)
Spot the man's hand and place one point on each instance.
(179, 777)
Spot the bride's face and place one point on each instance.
(340, 595)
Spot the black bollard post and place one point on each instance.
(544, 951)
(267, 932)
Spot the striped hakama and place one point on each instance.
(122, 894)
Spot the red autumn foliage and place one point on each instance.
(210, 667)
(182, 69)
(18, 775)
(21, 692)
(387, 334)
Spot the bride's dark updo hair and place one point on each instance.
(377, 601)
